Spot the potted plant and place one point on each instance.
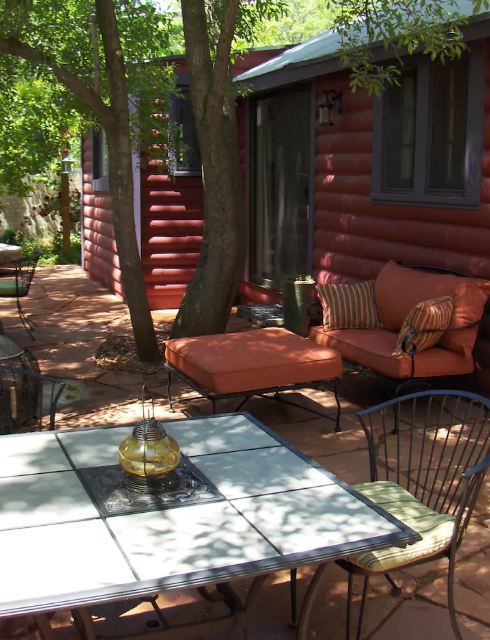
(298, 291)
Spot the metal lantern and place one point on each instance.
(67, 165)
(149, 452)
(332, 101)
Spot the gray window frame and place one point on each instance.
(175, 117)
(420, 193)
(100, 180)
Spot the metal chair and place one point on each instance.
(27, 400)
(428, 455)
(15, 282)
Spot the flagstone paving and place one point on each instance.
(75, 317)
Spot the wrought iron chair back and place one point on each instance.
(15, 282)
(432, 443)
(28, 400)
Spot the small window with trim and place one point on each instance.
(428, 134)
(100, 162)
(184, 155)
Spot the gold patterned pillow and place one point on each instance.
(427, 321)
(348, 306)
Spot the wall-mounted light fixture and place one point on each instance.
(331, 102)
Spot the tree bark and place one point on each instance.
(121, 183)
(211, 293)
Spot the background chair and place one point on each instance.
(15, 282)
(428, 456)
(28, 400)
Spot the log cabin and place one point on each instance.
(336, 183)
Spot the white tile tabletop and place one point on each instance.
(31, 453)
(28, 501)
(54, 544)
(46, 562)
(94, 448)
(309, 519)
(187, 539)
(217, 434)
(257, 472)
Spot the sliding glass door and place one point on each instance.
(280, 167)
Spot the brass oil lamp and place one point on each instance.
(148, 454)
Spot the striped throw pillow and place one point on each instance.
(348, 306)
(428, 321)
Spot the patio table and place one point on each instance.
(274, 509)
(9, 253)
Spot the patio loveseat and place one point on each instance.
(378, 339)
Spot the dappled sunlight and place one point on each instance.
(184, 540)
(313, 518)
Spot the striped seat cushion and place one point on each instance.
(435, 528)
(8, 287)
(428, 321)
(348, 306)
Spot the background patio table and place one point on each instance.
(278, 510)
(9, 253)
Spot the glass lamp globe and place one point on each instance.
(149, 452)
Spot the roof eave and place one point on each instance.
(306, 70)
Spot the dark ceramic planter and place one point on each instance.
(297, 297)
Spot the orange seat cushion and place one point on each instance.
(259, 359)
(373, 349)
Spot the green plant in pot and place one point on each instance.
(298, 292)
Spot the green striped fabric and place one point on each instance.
(348, 306)
(8, 287)
(435, 528)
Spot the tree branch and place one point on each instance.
(198, 53)
(86, 95)
(223, 48)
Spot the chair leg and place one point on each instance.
(395, 589)
(350, 581)
(450, 597)
(338, 428)
(169, 392)
(361, 610)
(349, 605)
(293, 592)
(26, 323)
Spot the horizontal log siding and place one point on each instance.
(171, 234)
(99, 247)
(355, 236)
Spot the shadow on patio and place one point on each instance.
(75, 318)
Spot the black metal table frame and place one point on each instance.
(262, 393)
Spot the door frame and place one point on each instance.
(250, 114)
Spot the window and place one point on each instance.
(100, 162)
(428, 134)
(184, 155)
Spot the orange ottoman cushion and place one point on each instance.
(249, 360)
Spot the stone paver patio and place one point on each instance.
(74, 317)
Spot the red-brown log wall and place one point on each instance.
(171, 221)
(99, 245)
(355, 236)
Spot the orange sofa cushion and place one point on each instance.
(373, 348)
(397, 289)
(259, 359)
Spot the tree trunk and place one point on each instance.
(211, 293)
(121, 182)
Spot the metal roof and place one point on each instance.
(325, 45)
